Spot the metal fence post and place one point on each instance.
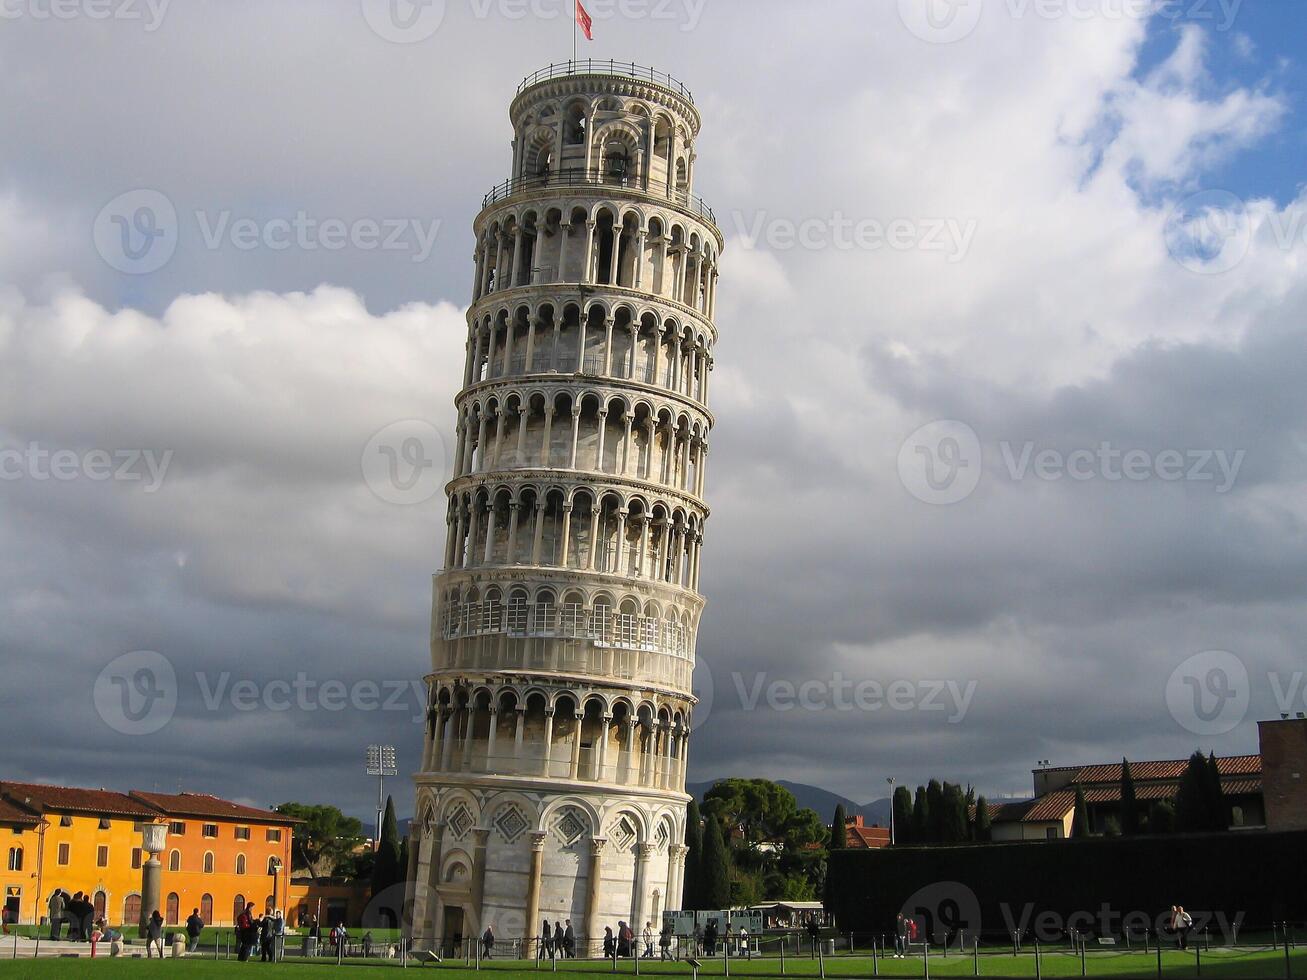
(925, 958)
(1159, 956)
(1038, 967)
(975, 956)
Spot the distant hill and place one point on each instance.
(821, 800)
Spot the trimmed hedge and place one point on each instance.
(1043, 888)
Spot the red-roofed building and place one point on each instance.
(860, 837)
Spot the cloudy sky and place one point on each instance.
(1011, 420)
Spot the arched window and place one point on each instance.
(273, 866)
(173, 909)
(237, 907)
(208, 862)
(206, 908)
(131, 910)
(174, 861)
(15, 859)
(240, 864)
(100, 901)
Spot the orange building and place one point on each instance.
(219, 854)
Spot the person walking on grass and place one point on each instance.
(267, 937)
(154, 935)
(194, 926)
(665, 942)
(244, 932)
(1184, 922)
(647, 936)
(568, 938)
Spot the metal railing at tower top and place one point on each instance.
(622, 69)
(579, 176)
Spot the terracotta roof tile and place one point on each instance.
(1235, 765)
(39, 797)
(202, 805)
(11, 813)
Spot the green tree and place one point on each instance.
(1193, 798)
(1080, 817)
(766, 831)
(1129, 801)
(953, 815)
(715, 867)
(902, 804)
(386, 870)
(325, 839)
(693, 856)
(920, 817)
(982, 830)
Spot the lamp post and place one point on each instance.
(41, 828)
(154, 838)
(381, 763)
(890, 780)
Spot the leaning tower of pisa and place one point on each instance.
(564, 620)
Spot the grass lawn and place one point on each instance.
(1239, 964)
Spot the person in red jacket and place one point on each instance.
(245, 932)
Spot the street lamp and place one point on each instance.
(890, 780)
(381, 763)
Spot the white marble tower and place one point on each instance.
(564, 620)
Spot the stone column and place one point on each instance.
(675, 874)
(603, 435)
(574, 766)
(432, 896)
(640, 893)
(538, 533)
(517, 737)
(630, 750)
(481, 836)
(564, 231)
(548, 434)
(567, 534)
(576, 435)
(549, 738)
(593, 927)
(467, 736)
(411, 880)
(601, 750)
(513, 508)
(588, 272)
(533, 894)
(490, 738)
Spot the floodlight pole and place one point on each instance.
(380, 763)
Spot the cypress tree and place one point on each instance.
(693, 856)
(1192, 799)
(386, 869)
(953, 815)
(838, 829)
(1080, 817)
(902, 803)
(920, 817)
(982, 826)
(1217, 816)
(935, 811)
(1129, 802)
(715, 868)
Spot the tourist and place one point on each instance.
(665, 942)
(697, 939)
(73, 909)
(546, 941)
(153, 935)
(744, 943)
(107, 935)
(710, 938)
(367, 944)
(814, 932)
(487, 943)
(647, 937)
(56, 908)
(245, 932)
(267, 937)
(569, 939)
(194, 926)
(610, 945)
(1184, 922)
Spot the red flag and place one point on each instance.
(584, 21)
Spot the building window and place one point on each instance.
(104, 823)
(210, 830)
(63, 855)
(175, 861)
(15, 859)
(172, 909)
(273, 865)
(240, 864)
(102, 856)
(136, 858)
(208, 862)
(206, 908)
(177, 827)
(237, 907)
(132, 910)
(273, 836)
(65, 821)
(242, 833)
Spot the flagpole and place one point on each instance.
(575, 29)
